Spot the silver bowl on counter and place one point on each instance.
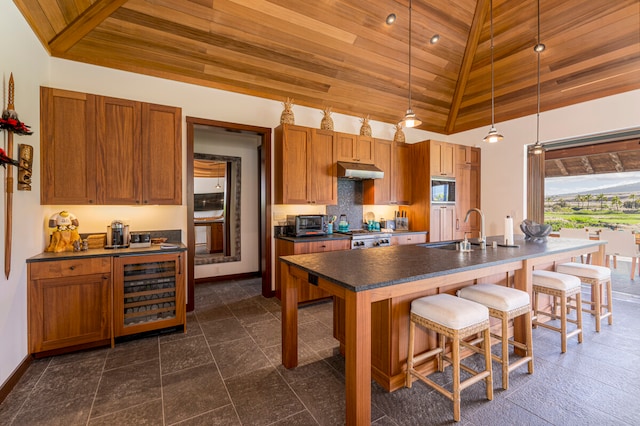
(534, 231)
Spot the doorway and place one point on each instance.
(264, 199)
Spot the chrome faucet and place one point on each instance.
(483, 237)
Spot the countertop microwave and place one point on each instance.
(443, 190)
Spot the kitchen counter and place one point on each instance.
(339, 236)
(67, 255)
(373, 290)
(359, 270)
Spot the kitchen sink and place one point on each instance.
(447, 245)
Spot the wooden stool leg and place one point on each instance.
(529, 340)
(579, 315)
(412, 333)
(609, 302)
(455, 360)
(563, 323)
(596, 294)
(505, 352)
(535, 308)
(487, 363)
(442, 341)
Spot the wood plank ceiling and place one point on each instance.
(341, 53)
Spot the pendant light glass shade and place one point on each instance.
(493, 136)
(410, 119)
(537, 148)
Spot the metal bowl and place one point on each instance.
(535, 231)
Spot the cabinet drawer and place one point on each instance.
(69, 268)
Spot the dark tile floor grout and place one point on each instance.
(226, 370)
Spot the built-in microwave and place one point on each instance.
(306, 225)
(443, 190)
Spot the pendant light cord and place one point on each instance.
(538, 52)
(492, 89)
(410, 53)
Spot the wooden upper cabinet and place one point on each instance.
(322, 170)
(467, 155)
(442, 161)
(68, 147)
(355, 148)
(401, 173)
(119, 151)
(395, 188)
(379, 191)
(305, 166)
(115, 151)
(162, 154)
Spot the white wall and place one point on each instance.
(504, 163)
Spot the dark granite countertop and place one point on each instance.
(359, 270)
(68, 255)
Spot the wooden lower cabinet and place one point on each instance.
(285, 248)
(78, 303)
(403, 239)
(69, 304)
(148, 293)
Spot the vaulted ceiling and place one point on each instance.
(341, 53)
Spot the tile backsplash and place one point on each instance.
(349, 203)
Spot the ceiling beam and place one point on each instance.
(587, 165)
(563, 170)
(93, 16)
(479, 17)
(601, 148)
(616, 160)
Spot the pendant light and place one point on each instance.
(538, 48)
(218, 185)
(410, 119)
(493, 136)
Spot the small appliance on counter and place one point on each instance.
(117, 235)
(140, 239)
(306, 225)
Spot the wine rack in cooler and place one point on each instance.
(150, 293)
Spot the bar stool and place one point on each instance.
(597, 276)
(505, 303)
(454, 318)
(567, 289)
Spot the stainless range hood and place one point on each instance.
(358, 171)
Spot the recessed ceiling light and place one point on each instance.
(434, 38)
(539, 47)
(391, 19)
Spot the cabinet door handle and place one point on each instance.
(72, 268)
(457, 223)
(323, 246)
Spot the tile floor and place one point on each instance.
(226, 371)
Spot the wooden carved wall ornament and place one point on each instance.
(25, 159)
(10, 122)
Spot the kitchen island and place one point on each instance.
(375, 288)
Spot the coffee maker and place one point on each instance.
(117, 235)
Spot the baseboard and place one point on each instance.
(13, 379)
(241, 276)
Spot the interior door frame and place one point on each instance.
(264, 201)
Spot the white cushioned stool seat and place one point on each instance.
(555, 280)
(584, 270)
(598, 277)
(450, 311)
(455, 319)
(495, 296)
(505, 304)
(565, 288)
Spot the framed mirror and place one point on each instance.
(216, 208)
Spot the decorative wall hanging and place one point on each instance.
(25, 156)
(399, 135)
(327, 121)
(287, 115)
(365, 130)
(11, 124)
